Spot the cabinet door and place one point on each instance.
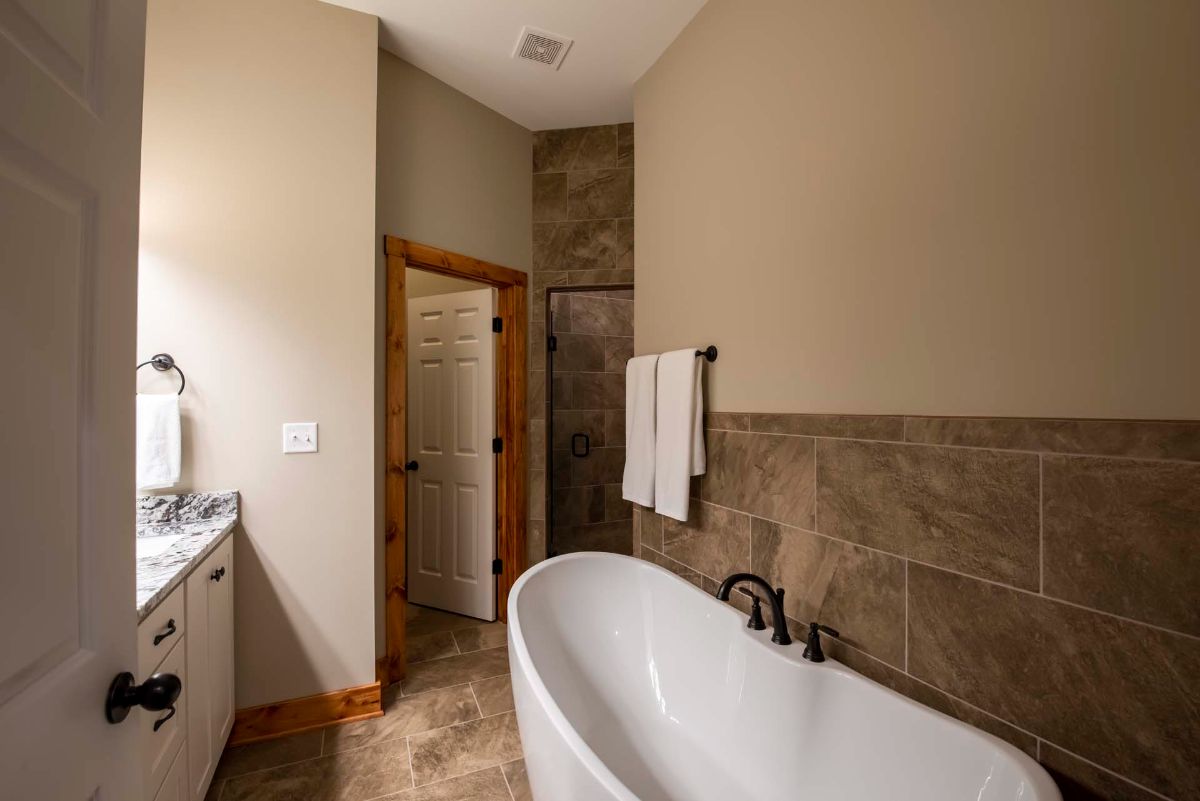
(175, 787)
(201, 761)
(220, 628)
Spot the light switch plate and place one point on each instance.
(299, 437)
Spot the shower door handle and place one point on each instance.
(587, 445)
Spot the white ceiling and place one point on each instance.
(469, 43)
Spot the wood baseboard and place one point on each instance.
(269, 721)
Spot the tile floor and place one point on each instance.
(448, 732)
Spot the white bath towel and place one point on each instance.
(638, 483)
(679, 434)
(158, 441)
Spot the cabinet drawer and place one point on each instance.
(175, 786)
(164, 625)
(160, 746)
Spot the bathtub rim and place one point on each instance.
(1042, 784)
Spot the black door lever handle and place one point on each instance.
(587, 445)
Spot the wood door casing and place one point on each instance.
(512, 426)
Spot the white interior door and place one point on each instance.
(451, 422)
(70, 142)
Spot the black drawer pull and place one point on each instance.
(158, 724)
(170, 630)
(587, 445)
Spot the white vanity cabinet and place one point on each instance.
(190, 634)
(209, 665)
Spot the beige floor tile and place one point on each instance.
(456, 670)
(405, 715)
(243, 759)
(494, 695)
(490, 635)
(518, 780)
(465, 748)
(421, 620)
(430, 646)
(483, 785)
(360, 775)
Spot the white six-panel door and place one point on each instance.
(451, 422)
(70, 134)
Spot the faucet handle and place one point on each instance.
(812, 651)
(756, 621)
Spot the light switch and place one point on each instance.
(299, 437)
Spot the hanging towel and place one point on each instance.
(638, 484)
(158, 446)
(679, 435)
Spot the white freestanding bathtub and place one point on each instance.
(630, 683)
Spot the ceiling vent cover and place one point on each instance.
(542, 47)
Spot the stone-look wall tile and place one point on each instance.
(594, 194)
(562, 386)
(625, 144)
(537, 395)
(651, 527)
(588, 148)
(618, 351)
(856, 591)
(683, 571)
(537, 346)
(714, 541)
(578, 353)
(845, 426)
(602, 466)
(766, 475)
(585, 245)
(535, 541)
(584, 277)
(560, 310)
(614, 426)
(922, 693)
(616, 507)
(574, 506)
(537, 494)
(537, 444)
(611, 537)
(1078, 780)
(538, 284)
(968, 510)
(560, 465)
(1148, 439)
(727, 421)
(601, 315)
(569, 422)
(625, 245)
(1117, 693)
(550, 197)
(594, 391)
(1123, 536)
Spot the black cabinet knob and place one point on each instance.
(218, 574)
(412, 466)
(155, 694)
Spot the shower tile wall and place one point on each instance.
(582, 234)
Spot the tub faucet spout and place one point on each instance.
(774, 597)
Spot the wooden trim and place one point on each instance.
(269, 721)
(512, 426)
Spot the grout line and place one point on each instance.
(1041, 526)
(816, 484)
(905, 615)
(412, 775)
(992, 582)
(475, 698)
(1100, 767)
(504, 773)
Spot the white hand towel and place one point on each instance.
(679, 436)
(638, 483)
(158, 441)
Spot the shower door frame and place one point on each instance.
(549, 410)
(512, 428)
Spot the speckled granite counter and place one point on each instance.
(174, 534)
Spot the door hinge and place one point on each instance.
(497, 566)
(497, 445)
(552, 343)
(497, 325)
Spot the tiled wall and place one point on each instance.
(1039, 579)
(594, 332)
(582, 234)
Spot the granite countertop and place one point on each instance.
(174, 534)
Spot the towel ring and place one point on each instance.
(163, 362)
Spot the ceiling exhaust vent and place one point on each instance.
(542, 47)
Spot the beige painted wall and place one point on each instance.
(452, 174)
(423, 284)
(257, 273)
(927, 207)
